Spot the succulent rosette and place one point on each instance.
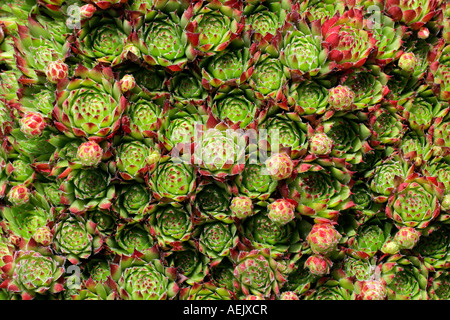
(284, 130)
(322, 10)
(439, 59)
(348, 44)
(133, 237)
(102, 39)
(365, 207)
(421, 111)
(370, 290)
(268, 79)
(415, 203)
(222, 275)
(241, 207)
(329, 290)
(216, 239)
(439, 288)
(433, 248)
(255, 182)
(171, 226)
(405, 278)
(205, 291)
(142, 118)
(301, 51)
(438, 135)
(415, 14)
(350, 138)
(388, 35)
(163, 41)
(372, 78)
(228, 69)
(260, 232)
(317, 192)
(386, 126)
(179, 129)
(300, 280)
(257, 273)
(210, 30)
(238, 106)
(138, 279)
(90, 105)
(219, 151)
(367, 241)
(187, 89)
(76, 238)
(87, 189)
(172, 181)
(416, 149)
(33, 272)
(35, 48)
(133, 202)
(23, 221)
(308, 97)
(192, 266)
(212, 201)
(134, 159)
(385, 177)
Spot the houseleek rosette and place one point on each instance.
(36, 47)
(329, 291)
(440, 69)
(212, 201)
(134, 159)
(301, 51)
(416, 148)
(263, 21)
(138, 279)
(348, 43)
(163, 41)
(171, 226)
(187, 89)
(228, 68)
(439, 288)
(142, 119)
(238, 106)
(383, 178)
(438, 134)
(257, 273)
(172, 181)
(368, 240)
(90, 105)
(211, 30)
(179, 129)
(285, 130)
(308, 97)
(24, 221)
(133, 202)
(386, 126)
(216, 239)
(317, 192)
(415, 14)
(33, 272)
(405, 278)
(219, 152)
(102, 39)
(133, 237)
(415, 203)
(421, 111)
(349, 138)
(360, 81)
(87, 189)
(222, 275)
(255, 182)
(205, 291)
(260, 232)
(268, 79)
(388, 35)
(192, 266)
(76, 238)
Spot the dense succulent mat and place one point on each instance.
(228, 150)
